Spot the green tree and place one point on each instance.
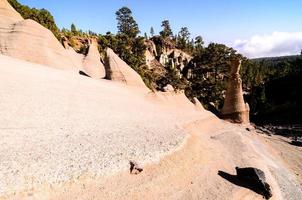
(183, 38)
(126, 23)
(210, 73)
(198, 43)
(152, 32)
(73, 29)
(167, 31)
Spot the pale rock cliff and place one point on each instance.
(92, 65)
(118, 70)
(28, 40)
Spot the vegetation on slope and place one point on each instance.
(42, 16)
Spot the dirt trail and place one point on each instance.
(190, 173)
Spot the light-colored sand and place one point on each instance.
(189, 173)
(56, 126)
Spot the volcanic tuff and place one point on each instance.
(118, 70)
(234, 108)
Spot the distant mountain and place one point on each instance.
(277, 60)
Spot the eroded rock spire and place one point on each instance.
(234, 108)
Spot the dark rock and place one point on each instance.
(135, 168)
(256, 178)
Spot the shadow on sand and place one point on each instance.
(242, 183)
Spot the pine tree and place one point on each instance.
(198, 44)
(152, 33)
(167, 31)
(183, 38)
(126, 23)
(73, 29)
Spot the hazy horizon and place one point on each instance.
(255, 28)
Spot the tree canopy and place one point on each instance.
(126, 23)
(152, 32)
(167, 31)
(183, 38)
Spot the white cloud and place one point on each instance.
(275, 44)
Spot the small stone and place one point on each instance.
(135, 168)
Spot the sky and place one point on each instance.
(256, 28)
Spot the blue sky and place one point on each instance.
(225, 21)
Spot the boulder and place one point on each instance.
(118, 70)
(256, 179)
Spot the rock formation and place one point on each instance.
(169, 56)
(30, 41)
(8, 15)
(234, 108)
(150, 52)
(92, 65)
(177, 58)
(118, 70)
(197, 104)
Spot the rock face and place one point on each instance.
(28, 40)
(176, 58)
(118, 70)
(168, 55)
(234, 108)
(8, 15)
(92, 65)
(150, 52)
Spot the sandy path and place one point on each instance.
(190, 173)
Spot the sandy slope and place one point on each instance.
(65, 136)
(56, 126)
